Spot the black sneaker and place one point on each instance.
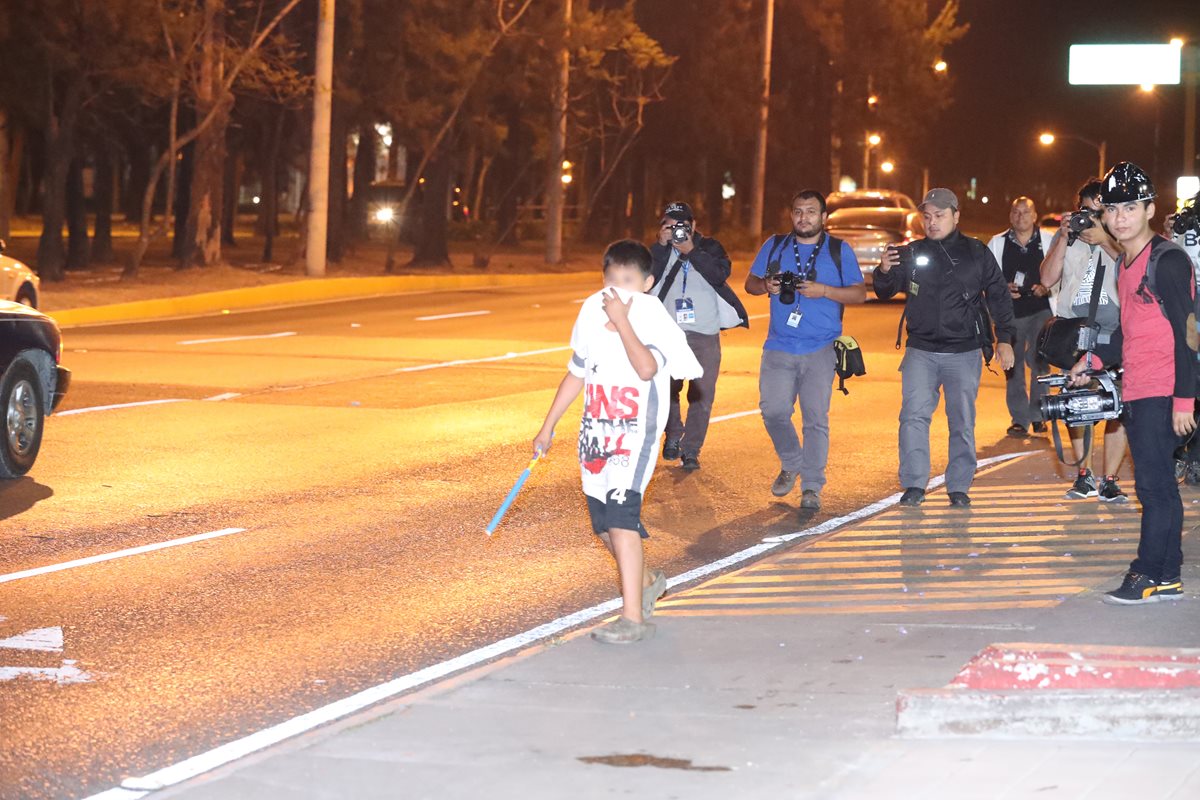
(912, 497)
(1084, 486)
(1135, 589)
(1110, 492)
(784, 483)
(959, 499)
(1170, 588)
(1039, 427)
(1017, 431)
(671, 449)
(690, 463)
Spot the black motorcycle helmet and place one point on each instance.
(1126, 183)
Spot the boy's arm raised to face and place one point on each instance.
(643, 361)
(568, 390)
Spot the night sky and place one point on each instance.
(1011, 72)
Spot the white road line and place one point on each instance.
(216, 398)
(464, 361)
(238, 338)
(736, 415)
(129, 551)
(453, 316)
(90, 409)
(134, 788)
(757, 316)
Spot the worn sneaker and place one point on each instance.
(1084, 486)
(784, 483)
(1039, 427)
(691, 463)
(1110, 492)
(959, 499)
(623, 631)
(1017, 431)
(671, 449)
(1191, 474)
(912, 497)
(1136, 588)
(651, 593)
(1170, 588)
(810, 500)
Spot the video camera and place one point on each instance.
(1085, 406)
(1079, 222)
(1186, 220)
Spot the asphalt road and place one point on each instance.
(362, 445)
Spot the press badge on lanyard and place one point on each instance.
(795, 317)
(685, 309)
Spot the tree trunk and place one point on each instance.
(432, 248)
(335, 243)
(202, 243)
(60, 148)
(102, 249)
(364, 174)
(269, 210)
(78, 249)
(183, 200)
(8, 176)
(231, 180)
(141, 161)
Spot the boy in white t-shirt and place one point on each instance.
(626, 350)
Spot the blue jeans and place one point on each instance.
(1152, 443)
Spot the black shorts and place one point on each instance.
(619, 510)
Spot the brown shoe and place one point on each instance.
(651, 593)
(623, 631)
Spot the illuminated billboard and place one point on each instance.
(1107, 64)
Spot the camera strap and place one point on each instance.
(810, 267)
(1058, 446)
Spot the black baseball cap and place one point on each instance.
(681, 212)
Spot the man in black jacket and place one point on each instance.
(948, 279)
(691, 274)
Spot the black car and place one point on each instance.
(32, 386)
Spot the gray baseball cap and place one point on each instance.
(939, 198)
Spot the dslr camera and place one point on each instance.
(1186, 220)
(1079, 222)
(680, 231)
(788, 281)
(910, 256)
(1084, 406)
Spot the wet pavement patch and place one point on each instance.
(646, 760)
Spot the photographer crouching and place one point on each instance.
(948, 278)
(1157, 291)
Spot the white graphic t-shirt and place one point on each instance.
(623, 415)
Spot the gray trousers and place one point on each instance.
(923, 377)
(1024, 405)
(782, 379)
(701, 391)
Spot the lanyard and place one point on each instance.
(810, 271)
(683, 290)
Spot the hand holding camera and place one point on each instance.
(891, 258)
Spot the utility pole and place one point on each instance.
(758, 190)
(1191, 76)
(318, 160)
(555, 190)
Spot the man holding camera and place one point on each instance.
(1078, 251)
(1020, 250)
(1157, 291)
(691, 274)
(948, 278)
(810, 276)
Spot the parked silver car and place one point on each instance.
(869, 231)
(17, 281)
(869, 198)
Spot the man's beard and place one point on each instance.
(806, 234)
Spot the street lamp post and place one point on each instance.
(870, 140)
(1048, 139)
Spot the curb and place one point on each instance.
(301, 292)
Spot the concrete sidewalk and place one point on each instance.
(780, 680)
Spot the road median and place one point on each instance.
(292, 293)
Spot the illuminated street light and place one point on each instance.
(385, 214)
(887, 166)
(872, 100)
(1049, 138)
(566, 179)
(940, 66)
(1176, 42)
(874, 139)
(567, 165)
(1147, 87)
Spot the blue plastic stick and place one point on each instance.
(512, 495)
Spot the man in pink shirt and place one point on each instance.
(1156, 290)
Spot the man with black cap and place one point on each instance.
(691, 274)
(948, 278)
(1157, 291)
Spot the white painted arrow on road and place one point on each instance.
(45, 640)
